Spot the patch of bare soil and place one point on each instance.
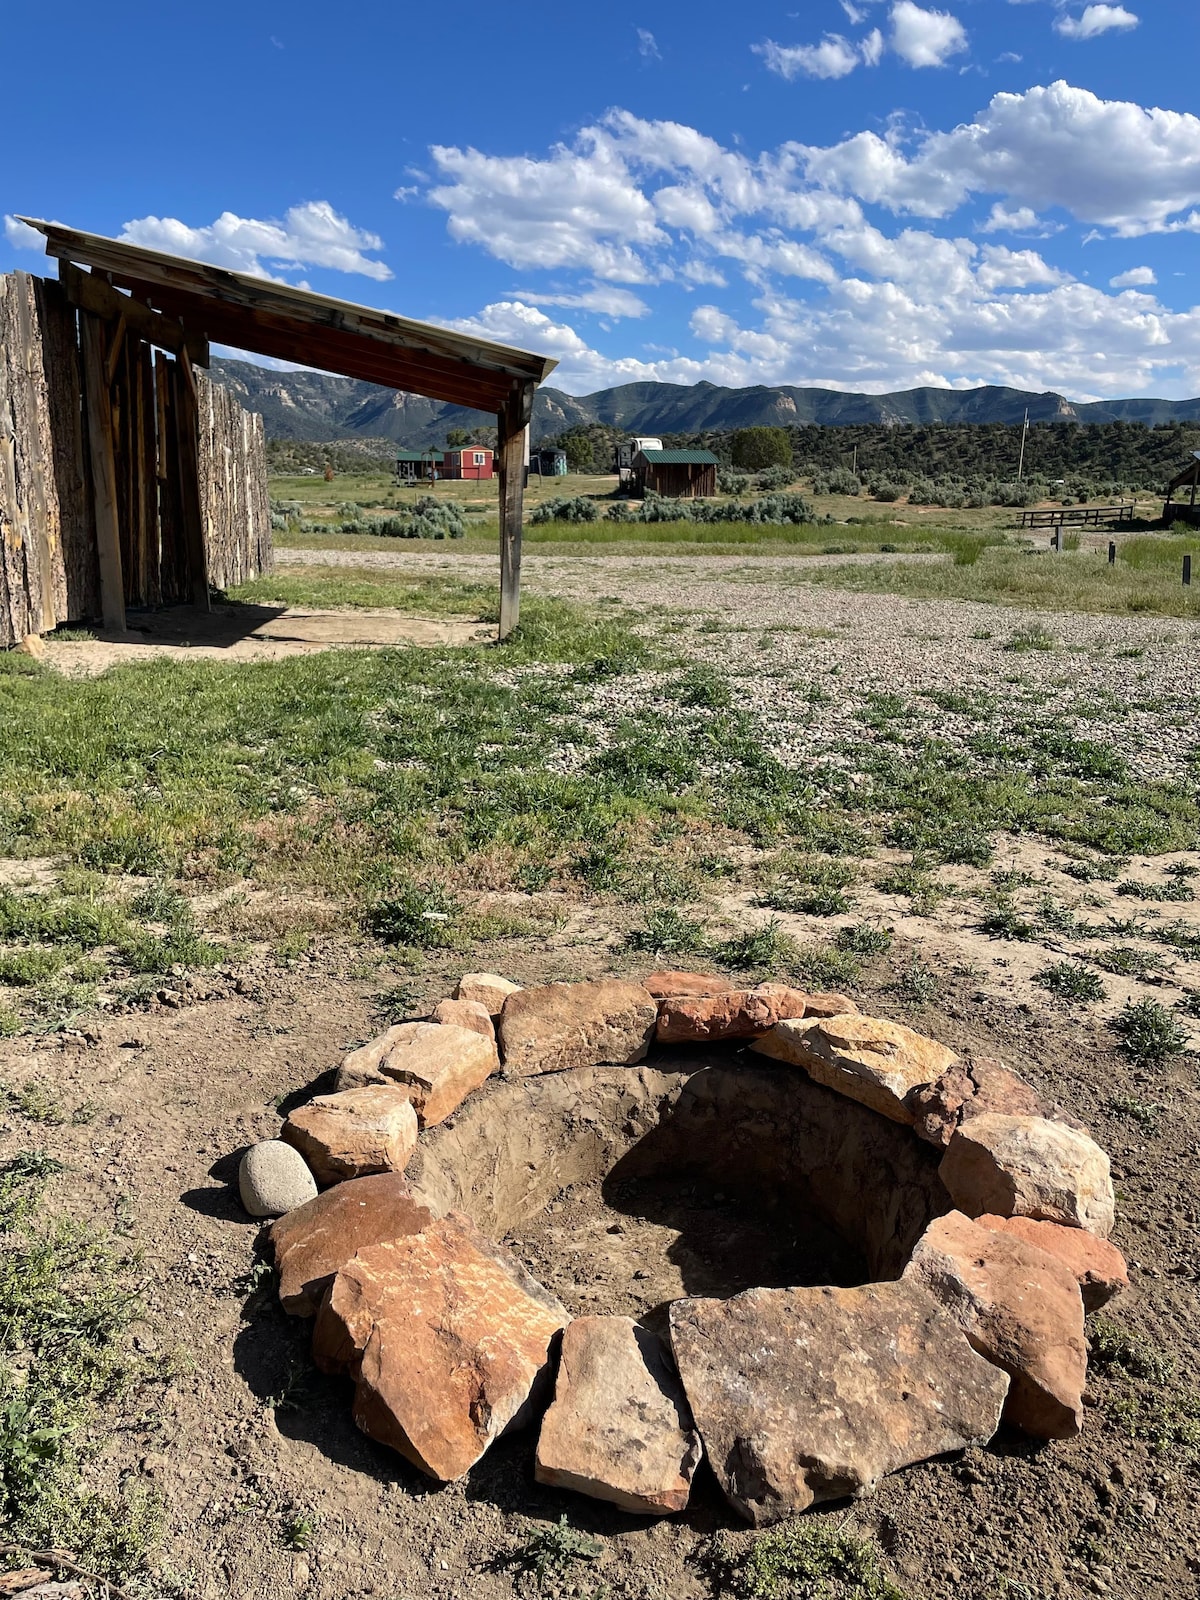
(253, 633)
(245, 1440)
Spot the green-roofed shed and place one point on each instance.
(419, 466)
(679, 474)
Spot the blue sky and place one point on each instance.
(863, 194)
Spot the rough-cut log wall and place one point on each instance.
(43, 519)
(49, 571)
(233, 487)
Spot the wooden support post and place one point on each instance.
(512, 422)
(187, 422)
(1112, 552)
(1058, 536)
(1187, 569)
(98, 402)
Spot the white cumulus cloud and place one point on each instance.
(20, 235)
(1094, 20)
(606, 299)
(1135, 278)
(1021, 219)
(836, 298)
(834, 57)
(648, 45)
(310, 235)
(925, 38)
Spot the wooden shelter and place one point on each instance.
(419, 466)
(1189, 479)
(180, 306)
(681, 474)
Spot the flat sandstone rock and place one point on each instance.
(1029, 1167)
(736, 1014)
(620, 1428)
(1097, 1265)
(355, 1133)
(868, 1059)
(696, 984)
(486, 989)
(803, 1395)
(448, 1339)
(972, 1088)
(316, 1240)
(1019, 1307)
(465, 1014)
(437, 1064)
(559, 1026)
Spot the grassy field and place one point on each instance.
(1146, 580)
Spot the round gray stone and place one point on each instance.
(274, 1178)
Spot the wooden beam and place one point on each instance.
(512, 421)
(98, 403)
(351, 354)
(88, 292)
(187, 422)
(298, 305)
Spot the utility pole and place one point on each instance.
(854, 469)
(1024, 434)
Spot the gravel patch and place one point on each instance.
(811, 664)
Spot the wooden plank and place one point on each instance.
(104, 472)
(511, 422)
(349, 354)
(89, 292)
(44, 555)
(187, 433)
(76, 569)
(173, 573)
(147, 476)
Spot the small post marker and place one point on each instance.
(1187, 569)
(1058, 537)
(1112, 552)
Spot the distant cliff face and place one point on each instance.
(318, 406)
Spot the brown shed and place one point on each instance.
(1184, 510)
(678, 474)
(112, 488)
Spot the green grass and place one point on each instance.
(65, 1312)
(368, 588)
(1079, 581)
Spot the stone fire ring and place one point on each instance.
(981, 1213)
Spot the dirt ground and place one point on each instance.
(247, 1443)
(250, 633)
(244, 1438)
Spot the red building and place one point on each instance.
(471, 461)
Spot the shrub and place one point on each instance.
(733, 482)
(807, 1561)
(839, 480)
(1149, 1034)
(779, 509)
(426, 518)
(863, 940)
(572, 508)
(775, 478)
(412, 915)
(885, 489)
(1071, 981)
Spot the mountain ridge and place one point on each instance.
(319, 407)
